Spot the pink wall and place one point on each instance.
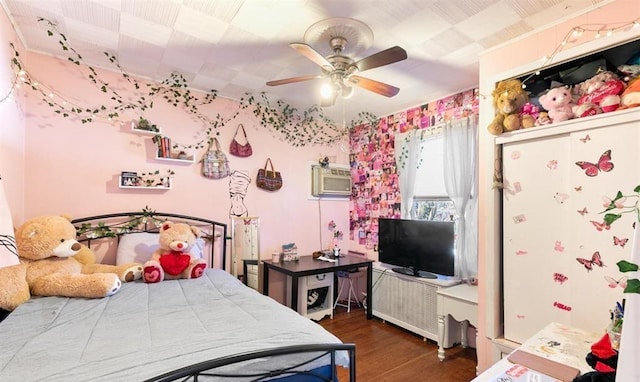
(517, 58)
(59, 165)
(12, 126)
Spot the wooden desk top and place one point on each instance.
(307, 265)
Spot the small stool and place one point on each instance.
(343, 278)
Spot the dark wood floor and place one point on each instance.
(387, 353)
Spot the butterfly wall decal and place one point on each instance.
(604, 164)
(621, 282)
(596, 260)
(585, 139)
(600, 225)
(583, 211)
(619, 241)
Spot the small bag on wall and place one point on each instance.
(236, 148)
(214, 163)
(269, 180)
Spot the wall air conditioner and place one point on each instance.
(330, 181)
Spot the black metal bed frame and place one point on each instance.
(207, 368)
(115, 225)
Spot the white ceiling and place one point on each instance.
(236, 46)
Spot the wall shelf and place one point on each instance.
(174, 158)
(136, 130)
(121, 184)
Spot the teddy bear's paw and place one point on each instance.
(133, 273)
(197, 270)
(115, 287)
(152, 273)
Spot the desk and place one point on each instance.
(308, 266)
(461, 302)
(557, 342)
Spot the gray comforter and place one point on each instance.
(148, 329)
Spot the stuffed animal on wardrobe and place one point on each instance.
(558, 103)
(508, 100)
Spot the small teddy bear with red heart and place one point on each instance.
(172, 260)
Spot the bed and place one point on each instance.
(204, 329)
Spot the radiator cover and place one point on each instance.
(410, 303)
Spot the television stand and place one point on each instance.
(411, 272)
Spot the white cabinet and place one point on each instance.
(315, 295)
(407, 301)
(245, 239)
(557, 252)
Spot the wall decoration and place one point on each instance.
(596, 260)
(612, 283)
(239, 182)
(375, 189)
(600, 225)
(299, 128)
(619, 241)
(604, 164)
(559, 277)
(562, 306)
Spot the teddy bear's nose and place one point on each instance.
(180, 245)
(75, 247)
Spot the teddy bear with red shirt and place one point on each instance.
(599, 94)
(173, 260)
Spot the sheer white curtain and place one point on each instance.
(460, 162)
(407, 155)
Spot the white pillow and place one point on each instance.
(139, 246)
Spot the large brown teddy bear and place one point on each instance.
(54, 263)
(508, 99)
(172, 260)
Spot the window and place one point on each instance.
(438, 209)
(430, 200)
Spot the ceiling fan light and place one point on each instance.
(326, 91)
(347, 92)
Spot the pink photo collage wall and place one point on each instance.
(375, 191)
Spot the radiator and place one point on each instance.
(410, 303)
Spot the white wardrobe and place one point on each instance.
(559, 258)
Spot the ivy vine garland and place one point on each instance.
(309, 127)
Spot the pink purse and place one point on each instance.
(237, 149)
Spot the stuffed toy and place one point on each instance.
(631, 95)
(508, 99)
(603, 359)
(602, 91)
(558, 103)
(172, 260)
(47, 250)
(543, 119)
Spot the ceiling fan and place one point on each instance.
(342, 70)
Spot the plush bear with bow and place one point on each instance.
(54, 263)
(172, 260)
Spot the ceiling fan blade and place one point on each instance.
(385, 57)
(312, 55)
(374, 86)
(291, 80)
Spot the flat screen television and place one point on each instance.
(419, 248)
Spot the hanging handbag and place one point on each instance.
(214, 163)
(236, 148)
(269, 180)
